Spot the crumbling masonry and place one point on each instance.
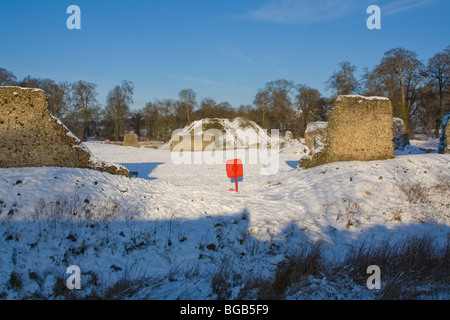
(31, 137)
(359, 129)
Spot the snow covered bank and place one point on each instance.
(237, 133)
(176, 228)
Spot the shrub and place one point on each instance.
(414, 192)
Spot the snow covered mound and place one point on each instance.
(238, 133)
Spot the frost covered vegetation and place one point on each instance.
(176, 232)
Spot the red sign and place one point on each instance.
(235, 170)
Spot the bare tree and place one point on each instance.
(207, 108)
(30, 82)
(262, 102)
(58, 94)
(244, 111)
(343, 81)
(187, 98)
(117, 106)
(224, 109)
(84, 100)
(137, 118)
(426, 105)
(398, 76)
(408, 71)
(58, 97)
(7, 78)
(166, 119)
(438, 70)
(308, 102)
(150, 115)
(280, 101)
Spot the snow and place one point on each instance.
(176, 225)
(313, 126)
(23, 88)
(362, 97)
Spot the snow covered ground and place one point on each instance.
(170, 231)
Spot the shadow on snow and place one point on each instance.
(143, 169)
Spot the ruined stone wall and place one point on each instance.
(447, 139)
(131, 140)
(359, 129)
(31, 137)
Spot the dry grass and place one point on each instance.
(123, 288)
(418, 257)
(291, 271)
(221, 282)
(416, 192)
(411, 268)
(405, 265)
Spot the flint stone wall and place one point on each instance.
(131, 140)
(447, 139)
(359, 129)
(31, 137)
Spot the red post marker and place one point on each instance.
(235, 170)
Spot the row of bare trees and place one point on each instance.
(419, 93)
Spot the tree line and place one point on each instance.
(419, 93)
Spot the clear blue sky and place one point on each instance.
(224, 49)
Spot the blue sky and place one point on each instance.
(224, 49)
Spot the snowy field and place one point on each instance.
(175, 229)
